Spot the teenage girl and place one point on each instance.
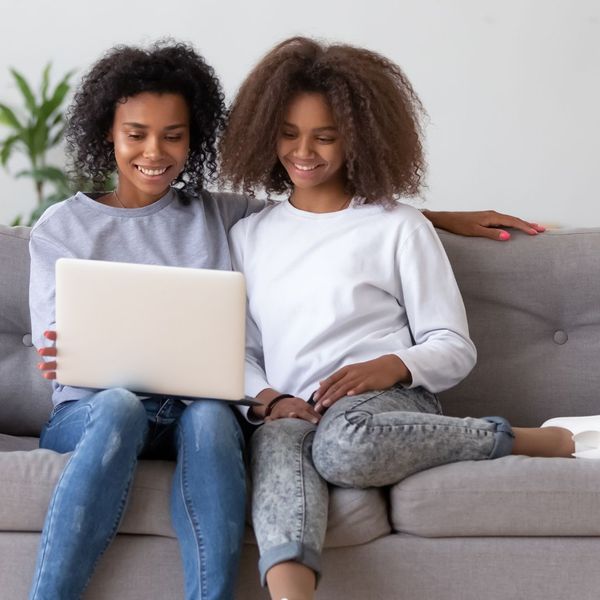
(355, 318)
(153, 115)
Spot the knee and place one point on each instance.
(121, 408)
(280, 433)
(117, 424)
(334, 454)
(212, 425)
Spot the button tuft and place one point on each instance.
(560, 337)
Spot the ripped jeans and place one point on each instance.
(372, 439)
(106, 433)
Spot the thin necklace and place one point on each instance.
(118, 199)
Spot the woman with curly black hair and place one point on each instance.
(355, 319)
(153, 115)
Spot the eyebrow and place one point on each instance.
(318, 129)
(142, 126)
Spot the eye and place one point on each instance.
(325, 140)
(173, 138)
(134, 136)
(288, 135)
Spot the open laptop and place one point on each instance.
(151, 329)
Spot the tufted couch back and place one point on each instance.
(24, 395)
(533, 307)
(534, 314)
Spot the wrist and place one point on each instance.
(435, 216)
(275, 402)
(401, 372)
(268, 398)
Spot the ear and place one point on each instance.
(109, 137)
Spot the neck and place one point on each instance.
(320, 200)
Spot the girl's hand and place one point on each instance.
(378, 374)
(48, 368)
(294, 408)
(484, 223)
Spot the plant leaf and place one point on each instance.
(27, 137)
(56, 138)
(8, 118)
(25, 91)
(45, 82)
(40, 138)
(6, 148)
(47, 173)
(49, 106)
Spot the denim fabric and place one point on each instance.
(379, 438)
(289, 497)
(106, 432)
(373, 439)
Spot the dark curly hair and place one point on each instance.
(374, 106)
(123, 72)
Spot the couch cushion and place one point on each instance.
(28, 479)
(356, 516)
(10, 443)
(510, 496)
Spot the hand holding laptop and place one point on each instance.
(48, 367)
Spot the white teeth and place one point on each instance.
(305, 168)
(152, 172)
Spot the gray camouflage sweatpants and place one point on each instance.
(373, 439)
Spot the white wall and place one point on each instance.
(512, 87)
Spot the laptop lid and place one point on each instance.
(150, 328)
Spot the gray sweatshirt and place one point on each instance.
(167, 232)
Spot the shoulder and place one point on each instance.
(232, 207)
(57, 218)
(399, 218)
(233, 201)
(405, 213)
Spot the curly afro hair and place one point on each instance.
(374, 106)
(123, 72)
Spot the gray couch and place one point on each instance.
(512, 528)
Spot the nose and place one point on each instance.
(303, 147)
(152, 148)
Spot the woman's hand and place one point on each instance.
(484, 223)
(378, 374)
(48, 368)
(294, 408)
(286, 407)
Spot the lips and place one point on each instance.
(304, 169)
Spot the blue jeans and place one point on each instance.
(106, 433)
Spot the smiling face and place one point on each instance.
(310, 147)
(151, 139)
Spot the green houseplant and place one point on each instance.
(33, 129)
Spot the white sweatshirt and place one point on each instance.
(327, 290)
